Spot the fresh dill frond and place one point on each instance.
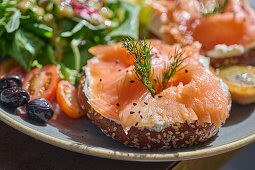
(141, 52)
(170, 69)
(218, 8)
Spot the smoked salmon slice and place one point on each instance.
(113, 90)
(183, 22)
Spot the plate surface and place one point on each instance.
(83, 136)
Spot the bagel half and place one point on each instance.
(246, 58)
(174, 136)
(182, 22)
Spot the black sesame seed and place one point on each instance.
(141, 116)
(160, 96)
(132, 112)
(118, 104)
(127, 71)
(132, 81)
(100, 80)
(136, 123)
(186, 71)
(146, 103)
(139, 111)
(117, 61)
(134, 104)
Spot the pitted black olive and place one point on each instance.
(39, 110)
(14, 97)
(3, 85)
(12, 81)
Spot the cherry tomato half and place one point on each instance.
(66, 97)
(11, 67)
(42, 82)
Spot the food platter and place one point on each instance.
(81, 135)
(84, 137)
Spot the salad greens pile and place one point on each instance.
(37, 32)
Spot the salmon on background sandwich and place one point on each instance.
(225, 28)
(151, 95)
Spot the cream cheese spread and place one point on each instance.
(224, 51)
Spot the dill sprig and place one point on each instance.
(170, 69)
(141, 52)
(219, 8)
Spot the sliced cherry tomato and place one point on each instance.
(11, 67)
(42, 82)
(67, 96)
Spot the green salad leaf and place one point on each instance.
(68, 74)
(46, 57)
(25, 48)
(77, 56)
(82, 24)
(39, 29)
(130, 26)
(38, 38)
(13, 23)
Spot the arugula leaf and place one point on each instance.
(13, 23)
(25, 48)
(68, 74)
(130, 27)
(2, 48)
(2, 21)
(82, 24)
(4, 4)
(66, 24)
(46, 57)
(1, 31)
(35, 63)
(40, 29)
(68, 57)
(77, 56)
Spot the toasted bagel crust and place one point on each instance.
(175, 136)
(247, 58)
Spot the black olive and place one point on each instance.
(39, 110)
(14, 97)
(12, 81)
(3, 85)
